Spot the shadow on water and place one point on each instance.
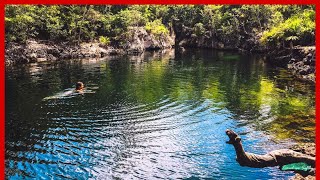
(152, 116)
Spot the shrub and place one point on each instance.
(298, 27)
(104, 40)
(199, 29)
(157, 28)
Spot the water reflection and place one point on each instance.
(152, 116)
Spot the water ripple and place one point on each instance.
(146, 119)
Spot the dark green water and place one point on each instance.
(154, 116)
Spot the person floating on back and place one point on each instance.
(281, 157)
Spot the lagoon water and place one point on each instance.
(154, 116)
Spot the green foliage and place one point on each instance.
(104, 40)
(300, 26)
(157, 28)
(229, 24)
(199, 29)
(212, 16)
(130, 18)
(276, 18)
(19, 20)
(53, 22)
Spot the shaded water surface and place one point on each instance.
(151, 116)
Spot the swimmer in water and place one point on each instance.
(79, 86)
(68, 92)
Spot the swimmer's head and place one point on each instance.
(79, 86)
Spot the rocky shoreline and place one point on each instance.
(301, 61)
(39, 51)
(309, 149)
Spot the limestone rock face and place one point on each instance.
(140, 40)
(216, 39)
(136, 41)
(302, 62)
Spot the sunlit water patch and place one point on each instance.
(151, 117)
